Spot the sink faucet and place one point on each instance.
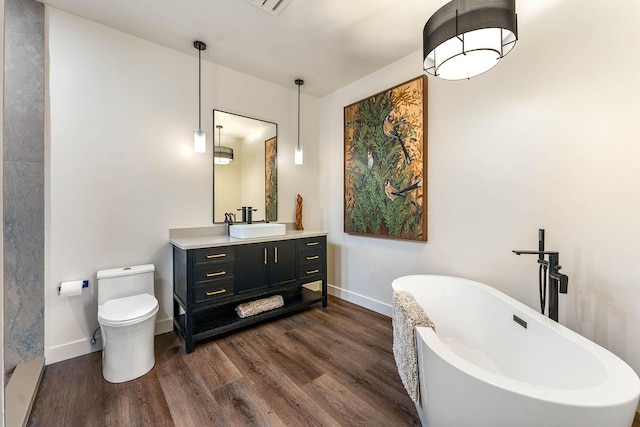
(558, 282)
(246, 214)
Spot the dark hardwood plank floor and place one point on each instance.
(318, 367)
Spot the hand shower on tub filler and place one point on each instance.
(550, 280)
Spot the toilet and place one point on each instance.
(127, 314)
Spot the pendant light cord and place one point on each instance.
(299, 116)
(199, 88)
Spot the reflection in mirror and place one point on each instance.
(251, 178)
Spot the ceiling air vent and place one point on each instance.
(274, 7)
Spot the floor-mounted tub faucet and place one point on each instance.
(558, 282)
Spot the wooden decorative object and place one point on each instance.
(299, 214)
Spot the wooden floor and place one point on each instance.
(318, 367)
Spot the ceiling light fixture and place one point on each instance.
(199, 139)
(465, 38)
(298, 153)
(221, 155)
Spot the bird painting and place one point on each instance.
(392, 193)
(390, 129)
(385, 192)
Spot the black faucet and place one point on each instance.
(247, 211)
(558, 282)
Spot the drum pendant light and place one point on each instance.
(298, 153)
(465, 38)
(199, 139)
(221, 155)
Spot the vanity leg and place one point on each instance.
(324, 293)
(188, 333)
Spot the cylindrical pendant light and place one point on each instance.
(465, 38)
(298, 153)
(199, 139)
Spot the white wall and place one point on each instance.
(253, 170)
(550, 138)
(227, 179)
(121, 170)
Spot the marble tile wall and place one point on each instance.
(23, 170)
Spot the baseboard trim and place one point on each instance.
(361, 300)
(21, 392)
(83, 346)
(163, 326)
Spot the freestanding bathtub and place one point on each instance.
(495, 362)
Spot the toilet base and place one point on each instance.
(128, 351)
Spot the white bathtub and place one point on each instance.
(482, 368)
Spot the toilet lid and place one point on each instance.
(127, 310)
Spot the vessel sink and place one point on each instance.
(252, 231)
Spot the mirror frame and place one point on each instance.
(213, 172)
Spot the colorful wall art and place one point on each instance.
(385, 163)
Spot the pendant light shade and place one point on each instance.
(465, 38)
(298, 157)
(199, 139)
(222, 155)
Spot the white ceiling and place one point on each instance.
(328, 43)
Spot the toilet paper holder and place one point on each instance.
(72, 288)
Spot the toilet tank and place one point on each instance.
(124, 282)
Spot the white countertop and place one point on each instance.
(216, 240)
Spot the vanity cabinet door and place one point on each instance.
(264, 265)
(252, 272)
(282, 262)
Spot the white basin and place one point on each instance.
(252, 231)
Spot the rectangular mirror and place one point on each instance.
(245, 166)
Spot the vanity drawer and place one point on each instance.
(214, 271)
(313, 256)
(213, 291)
(311, 272)
(214, 255)
(311, 243)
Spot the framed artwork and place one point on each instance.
(385, 163)
(271, 179)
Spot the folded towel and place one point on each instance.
(252, 308)
(407, 314)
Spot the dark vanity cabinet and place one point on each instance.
(209, 283)
(266, 265)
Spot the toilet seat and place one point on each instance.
(128, 310)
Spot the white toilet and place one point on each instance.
(127, 314)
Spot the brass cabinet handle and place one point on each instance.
(265, 256)
(216, 256)
(313, 271)
(275, 251)
(312, 244)
(221, 291)
(309, 258)
(220, 273)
